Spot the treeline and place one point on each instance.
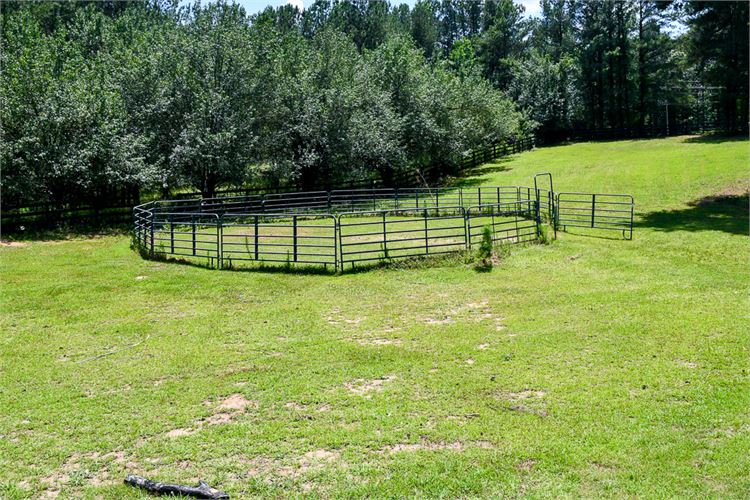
(105, 98)
(102, 98)
(635, 66)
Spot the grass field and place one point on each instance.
(589, 367)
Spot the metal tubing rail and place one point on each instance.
(613, 212)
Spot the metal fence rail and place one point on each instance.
(186, 235)
(335, 228)
(295, 239)
(358, 200)
(400, 233)
(613, 212)
(516, 222)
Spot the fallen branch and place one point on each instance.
(113, 351)
(203, 490)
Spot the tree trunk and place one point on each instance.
(641, 71)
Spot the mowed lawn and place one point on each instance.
(589, 367)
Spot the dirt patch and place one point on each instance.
(295, 406)
(540, 412)
(262, 466)
(364, 387)
(229, 408)
(463, 418)
(141, 278)
(473, 312)
(337, 319)
(482, 347)
(687, 364)
(174, 433)
(602, 467)
(218, 419)
(310, 461)
(87, 468)
(317, 459)
(12, 244)
(527, 465)
(435, 446)
(378, 342)
(527, 401)
(236, 402)
(526, 394)
(157, 314)
(432, 321)
(159, 381)
(470, 361)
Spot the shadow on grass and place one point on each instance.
(715, 139)
(417, 262)
(209, 263)
(724, 212)
(474, 176)
(597, 233)
(67, 233)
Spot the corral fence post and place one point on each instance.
(153, 216)
(385, 238)
(556, 219)
(193, 223)
(255, 236)
(335, 243)
(593, 210)
(631, 217)
(465, 217)
(219, 242)
(294, 236)
(340, 243)
(171, 233)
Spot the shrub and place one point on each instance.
(483, 260)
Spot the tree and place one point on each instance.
(718, 47)
(217, 141)
(424, 27)
(502, 40)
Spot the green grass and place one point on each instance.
(589, 367)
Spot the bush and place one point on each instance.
(483, 261)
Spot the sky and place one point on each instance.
(253, 6)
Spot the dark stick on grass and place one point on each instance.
(113, 351)
(203, 490)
